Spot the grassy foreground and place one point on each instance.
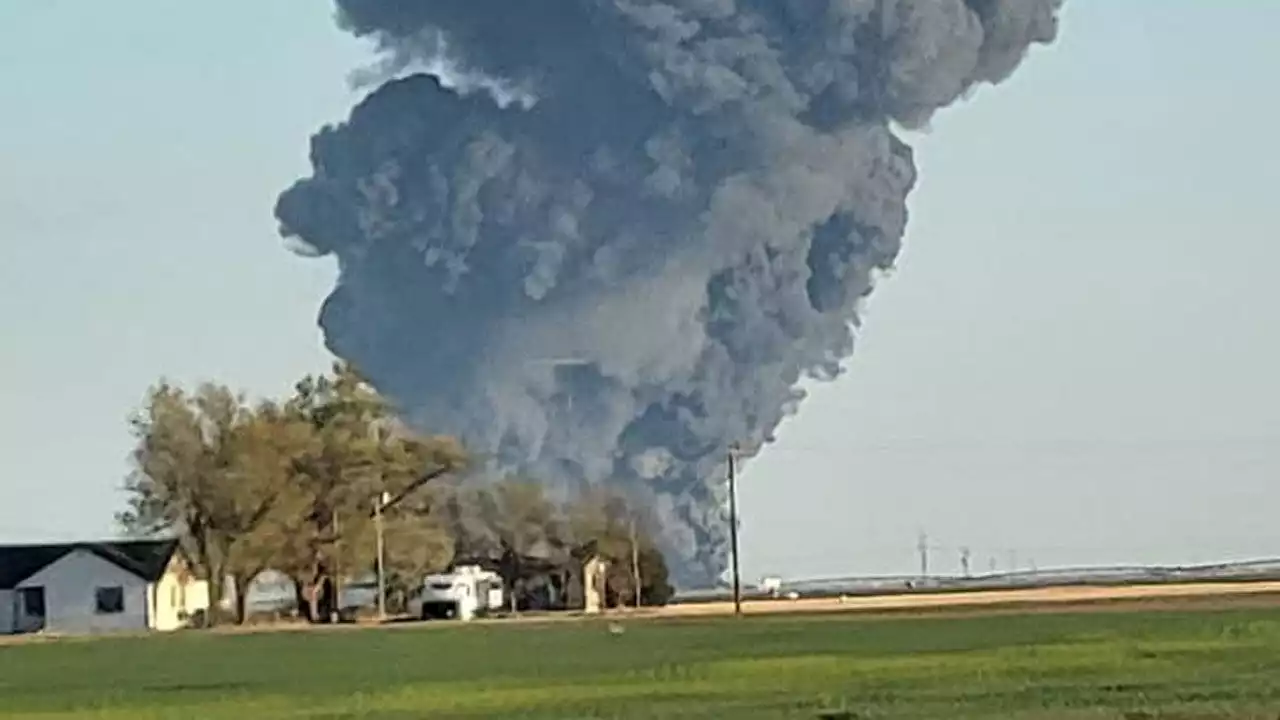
(1124, 665)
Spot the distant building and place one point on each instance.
(771, 585)
(94, 587)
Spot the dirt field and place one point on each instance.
(978, 599)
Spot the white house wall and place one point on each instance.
(70, 598)
(176, 601)
(7, 600)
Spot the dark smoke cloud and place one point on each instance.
(618, 233)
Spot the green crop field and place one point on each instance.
(1168, 664)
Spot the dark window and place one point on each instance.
(110, 600)
(32, 602)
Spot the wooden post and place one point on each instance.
(635, 561)
(733, 529)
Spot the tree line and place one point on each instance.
(295, 485)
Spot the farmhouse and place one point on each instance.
(95, 587)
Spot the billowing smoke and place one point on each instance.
(603, 239)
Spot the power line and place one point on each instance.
(918, 443)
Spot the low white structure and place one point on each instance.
(771, 585)
(464, 594)
(595, 580)
(96, 587)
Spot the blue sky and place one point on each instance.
(1074, 363)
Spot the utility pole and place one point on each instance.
(635, 560)
(733, 527)
(335, 581)
(378, 503)
(922, 545)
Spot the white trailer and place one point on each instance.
(466, 593)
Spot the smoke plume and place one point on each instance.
(603, 239)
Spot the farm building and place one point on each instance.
(94, 587)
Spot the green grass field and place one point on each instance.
(1169, 664)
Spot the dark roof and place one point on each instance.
(147, 559)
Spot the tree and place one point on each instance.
(271, 441)
(514, 527)
(416, 536)
(285, 486)
(417, 542)
(197, 475)
(357, 452)
(295, 487)
(539, 547)
(620, 531)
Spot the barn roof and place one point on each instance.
(147, 559)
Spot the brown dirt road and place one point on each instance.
(979, 599)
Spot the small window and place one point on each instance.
(110, 600)
(32, 602)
